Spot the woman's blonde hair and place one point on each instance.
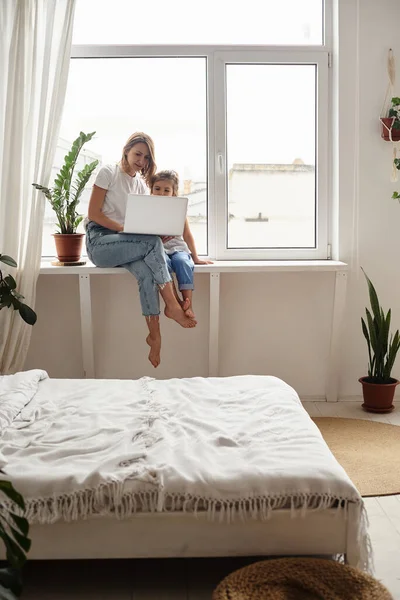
(166, 175)
(137, 138)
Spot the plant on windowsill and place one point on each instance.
(390, 130)
(379, 386)
(64, 198)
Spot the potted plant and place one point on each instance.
(14, 528)
(379, 386)
(396, 162)
(9, 297)
(391, 124)
(64, 198)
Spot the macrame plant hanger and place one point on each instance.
(388, 133)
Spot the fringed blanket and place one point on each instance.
(236, 447)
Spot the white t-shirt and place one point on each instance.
(177, 244)
(118, 185)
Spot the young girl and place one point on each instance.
(142, 255)
(180, 251)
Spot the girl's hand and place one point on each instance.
(166, 238)
(203, 262)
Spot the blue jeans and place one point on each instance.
(181, 263)
(141, 255)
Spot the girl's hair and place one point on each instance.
(170, 176)
(137, 138)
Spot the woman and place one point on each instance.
(142, 255)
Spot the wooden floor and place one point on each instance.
(195, 579)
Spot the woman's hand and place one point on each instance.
(166, 238)
(203, 262)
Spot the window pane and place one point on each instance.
(271, 112)
(116, 97)
(288, 22)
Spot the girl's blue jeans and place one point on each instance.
(141, 255)
(181, 263)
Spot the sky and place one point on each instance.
(293, 22)
(270, 108)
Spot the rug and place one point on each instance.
(368, 451)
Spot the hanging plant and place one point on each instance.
(390, 116)
(396, 163)
(391, 123)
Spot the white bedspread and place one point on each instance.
(237, 447)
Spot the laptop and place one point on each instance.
(155, 215)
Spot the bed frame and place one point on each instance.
(171, 535)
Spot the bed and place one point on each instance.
(176, 468)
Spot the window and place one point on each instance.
(245, 126)
(165, 97)
(287, 22)
(272, 166)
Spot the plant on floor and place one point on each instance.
(382, 352)
(383, 347)
(64, 198)
(14, 530)
(10, 298)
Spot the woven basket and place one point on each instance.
(300, 579)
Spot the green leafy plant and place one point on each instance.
(65, 195)
(394, 111)
(9, 297)
(396, 195)
(14, 530)
(382, 350)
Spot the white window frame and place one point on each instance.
(216, 58)
(272, 57)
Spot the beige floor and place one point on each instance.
(195, 579)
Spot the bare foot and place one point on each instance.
(179, 316)
(155, 349)
(186, 306)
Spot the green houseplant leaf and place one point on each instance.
(382, 346)
(14, 530)
(7, 260)
(10, 297)
(64, 196)
(10, 583)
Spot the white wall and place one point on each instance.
(373, 240)
(270, 323)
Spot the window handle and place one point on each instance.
(220, 163)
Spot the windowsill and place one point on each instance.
(220, 266)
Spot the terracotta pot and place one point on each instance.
(378, 397)
(386, 124)
(68, 246)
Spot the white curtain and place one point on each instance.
(35, 47)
